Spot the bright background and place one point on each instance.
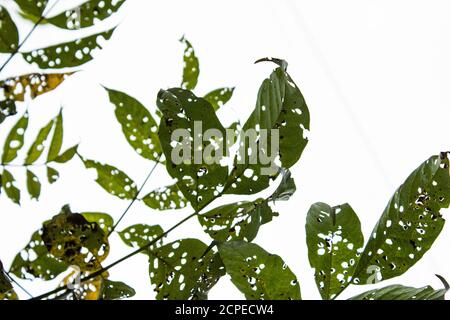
(375, 75)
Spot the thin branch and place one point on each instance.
(18, 284)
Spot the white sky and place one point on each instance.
(375, 75)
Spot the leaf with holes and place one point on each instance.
(219, 97)
(409, 225)
(52, 175)
(7, 109)
(86, 14)
(257, 273)
(199, 173)
(286, 188)
(14, 140)
(335, 240)
(33, 7)
(280, 119)
(138, 125)
(8, 184)
(71, 238)
(9, 35)
(6, 289)
(104, 220)
(165, 198)
(33, 185)
(177, 269)
(139, 235)
(88, 290)
(67, 155)
(113, 180)
(399, 292)
(69, 54)
(37, 148)
(114, 290)
(191, 67)
(57, 139)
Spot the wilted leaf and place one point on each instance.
(9, 36)
(191, 68)
(409, 225)
(37, 147)
(67, 155)
(138, 125)
(217, 98)
(333, 236)
(69, 54)
(8, 184)
(33, 185)
(87, 14)
(139, 235)
(165, 198)
(33, 7)
(399, 292)
(52, 175)
(114, 290)
(257, 273)
(57, 140)
(14, 140)
(87, 290)
(113, 180)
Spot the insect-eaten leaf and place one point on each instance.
(33, 185)
(57, 139)
(191, 66)
(139, 235)
(7, 109)
(37, 148)
(138, 125)
(116, 290)
(219, 97)
(6, 289)
(409, 225)
(258, 274)
(165, 198)
(52, 175)
(399, 292)
(335, 241)
(15, 139)
(8, 184)
(9, 35)
(33, 7)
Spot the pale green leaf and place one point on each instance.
(165, 198)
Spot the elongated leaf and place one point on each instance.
(113, 180)
(165, 198)
(33, 185)
(191, 67)
(67, 155)
(8, 184)
(37, 147)
(114, 290)
(399, 292)
(57, 139)
(177, 269)
(33, 7)
(9, 35)
(52, 175)
(333, 236)
(139, 235)
(138, 125)
(14, 140)
(257, 273)
(32, 85)
(280, 118)
(6, 289)
(86, 14)
(217, 98)
(199, 172)
(69, 54)
(409, 225)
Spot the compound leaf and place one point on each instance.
(33, 185)
(67, 155)
(191, 67)
(399, 292)
(8, 184)
(219, 97)
(37, 147)
(165, 198)
(15, 139)
(9, 35)
(57, 139)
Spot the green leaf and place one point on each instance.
(15, 139)
(33, 185)
(33, 7)
(69, 54)
(138, 125)
(37, 147)
(280, 106)
(399, 292)
(52, 175)
(139, 235)
(114, 290)
(334, 239)
(9, 35)
(113, 180)
(34, 261)
(199, 173)
(8, 184)
(104, 220)
(286, 188)
(409, 225)
(6, 289)
(165, 198)
(183, 270)
(57, 140)
(191, 67)
(219, 97)
(7, 109)
(67, 155)
(86, 14)
(257, 273)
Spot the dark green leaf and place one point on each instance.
(217, 98)
(165, 198)
(286, 188)
(139, 235)
(69, 54)
(8, 184)
(33, 7)
(9, 35)
(67, 155)
(409, 225)
(113, 180)
(52, 175)
(334, 239)
(257, 273)
(399, 292)
(6, 289)
(191, 68)
(14, 141)
(87, 14)
(138, 125)
(7, 108)
(33, 185)
(37, 147)
(113, 290)
(57, 140)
